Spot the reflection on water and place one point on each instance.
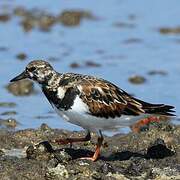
(120, 41)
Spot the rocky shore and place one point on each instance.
(152, 154)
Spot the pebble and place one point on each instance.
(24, 87)
(137, 79)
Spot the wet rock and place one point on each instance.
(21, 56)
(159, 150)
(124, 25)
(106, 168)
(133, 41)
(27, 24)
(169, 30)
(35, 18)
(44, 151)
(9, 113)
(19, 153)
(158, 72)
(131, 156)
(100, 51)
(4, 17)
(7, 104)
(165, 173)
(43, 117)
(137, 79)
(2, 152)
(40, 151)
(2, 48)
(59, 172)
(92, 64)
(21, 88)
(87, 64)
(52, 59)
(132, 17)
(45, 127)
(62, 156)
(20, 11)
(116, 176)
(75, 65)
(46, 21)
(8, 123)
(73, 18)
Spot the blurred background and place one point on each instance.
(134, 44)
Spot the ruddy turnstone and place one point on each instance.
(94, 104)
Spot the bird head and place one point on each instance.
(37, 70)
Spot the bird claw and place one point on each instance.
(89, 158)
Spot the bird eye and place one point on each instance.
(31, 69)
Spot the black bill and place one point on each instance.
(23, 75)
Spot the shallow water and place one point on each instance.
(124, 39)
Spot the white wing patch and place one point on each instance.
(60, 92)
(79, 106)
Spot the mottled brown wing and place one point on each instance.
(107, 100)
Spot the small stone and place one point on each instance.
(73, 18)
(2, 48)
(137, 79)
(159, 150)
(4, 17)
(133, 41)
(20, 11)
(46, 21)
(2, 152)
(106, 168)
(9, 123)
(27, 24)
(75, 65)
(44, 127)
(7, 104)
(53, 163)
(8, 113)
(21, 88)
(95, 175)
(41, 151)
(117, 176)
(92, 64)
(59, 172)
(124, 25)
(157, 72)
(169, 30)
(21, 56)
(62, 156)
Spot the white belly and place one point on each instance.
(93, 123)
(79, 115)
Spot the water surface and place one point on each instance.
(124, 40)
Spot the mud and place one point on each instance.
(30, 154)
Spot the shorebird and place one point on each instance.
(93, 103)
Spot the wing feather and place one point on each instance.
(107, 100)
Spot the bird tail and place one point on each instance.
(159, 109)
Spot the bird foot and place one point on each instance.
(93, 159)
(143, 122)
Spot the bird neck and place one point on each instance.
(52, 79)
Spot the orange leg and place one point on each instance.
(137, 126)
(97, 151)
(72, 140)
